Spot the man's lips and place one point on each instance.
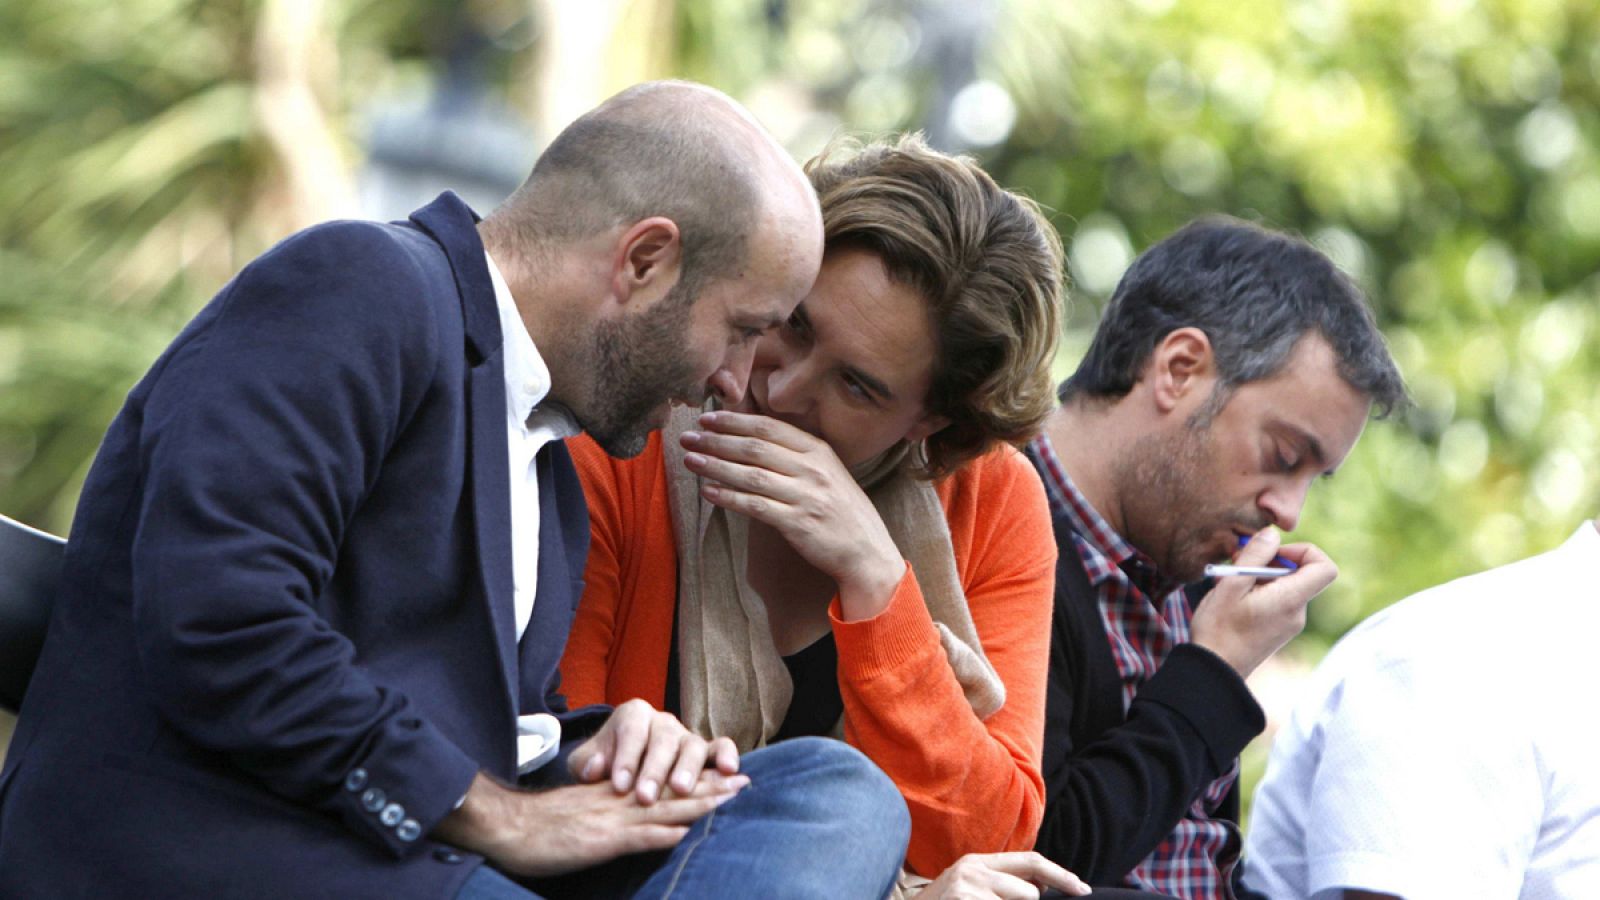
(1276, 560)
(755, 398)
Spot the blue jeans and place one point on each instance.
(818, 820)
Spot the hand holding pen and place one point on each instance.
(1245, 619)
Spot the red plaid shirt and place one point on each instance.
(1189, 862)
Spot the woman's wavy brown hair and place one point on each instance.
(989, 265)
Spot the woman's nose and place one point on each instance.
(789, 391)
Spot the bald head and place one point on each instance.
(673, 149)
(658, 236)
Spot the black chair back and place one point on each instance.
(30, 575)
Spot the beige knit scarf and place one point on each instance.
(732, 680)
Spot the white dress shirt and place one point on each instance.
(1443, 748)
(528, 427)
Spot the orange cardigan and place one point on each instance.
(973, 786)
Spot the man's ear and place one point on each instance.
(1181, 369)
(646, 260)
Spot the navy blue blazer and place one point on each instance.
(285, 639)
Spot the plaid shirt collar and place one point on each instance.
(1111, 548)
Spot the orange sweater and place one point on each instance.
(973, 786)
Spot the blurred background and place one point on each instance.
(1443, 152)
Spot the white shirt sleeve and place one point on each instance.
(1428, 784)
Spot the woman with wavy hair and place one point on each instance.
(852, 548)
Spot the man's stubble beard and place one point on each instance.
(1169, 514)
(638, 363)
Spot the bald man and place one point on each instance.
(325, 562)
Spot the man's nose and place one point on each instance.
(1283, 502)
(729, 382)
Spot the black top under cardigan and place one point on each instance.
(816, 704)
(1115, 784)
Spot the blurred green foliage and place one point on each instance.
(138, 174)
(1444, 152)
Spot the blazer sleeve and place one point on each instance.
(1113, 797)
(972, 785)
(262, 431)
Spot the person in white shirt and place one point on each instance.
(1447, 747)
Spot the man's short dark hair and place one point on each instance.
(1255, 293)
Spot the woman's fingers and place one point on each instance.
(762, 509)
(1042, 872)
(750, 451)
(764, 427)
(746, 479)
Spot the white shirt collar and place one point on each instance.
(527, 376)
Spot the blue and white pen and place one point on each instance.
(1222, 570)
(1280, 567)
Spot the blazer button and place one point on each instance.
(373, 799)
(446, 856)
(356, 780)
(392, 814)
(408, 831)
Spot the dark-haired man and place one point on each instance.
(325, 562)
(1233, 367)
